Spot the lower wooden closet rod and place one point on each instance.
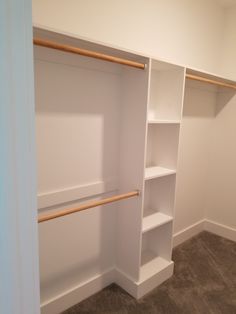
(69, 211)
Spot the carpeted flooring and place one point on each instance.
(204, 282)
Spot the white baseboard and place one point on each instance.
(136, 289)
(141, 288)
(84, 290)
(77, 294)
(126, 283)
(221, 230)
(154, 281)
(188, 232)
(207, 225)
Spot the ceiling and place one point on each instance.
(227, 3)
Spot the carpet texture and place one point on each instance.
(204, 281)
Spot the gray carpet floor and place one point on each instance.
(204, 281)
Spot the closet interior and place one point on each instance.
(106, 128)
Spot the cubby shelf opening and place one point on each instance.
(157, 172)
(151, 264)
(154, 219)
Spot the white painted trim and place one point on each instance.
(207, 225)
(126, 283)
(19, 274)
(78, 293)
(75, 193)
(220, 229)
(188, 232)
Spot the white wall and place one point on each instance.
(221, 196)
(187, 32)
(206, 170)
(229, 44)
(195, 137)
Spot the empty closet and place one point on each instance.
(104, 129)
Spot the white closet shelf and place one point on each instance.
(156, 172)
(151, 264)
(158, 121)
(155, 219)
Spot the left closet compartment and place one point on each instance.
(90, 128)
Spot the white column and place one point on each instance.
(19, 276)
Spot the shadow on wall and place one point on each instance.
(77, 113)
(204, 100)
(224, 97)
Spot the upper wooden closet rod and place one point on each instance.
(87, 206)
(210, 81)
(87, 53)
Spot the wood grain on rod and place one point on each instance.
(87, 53)
(210, 81)
(65, 212)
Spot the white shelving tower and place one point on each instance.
(166, 89)
(131, 122)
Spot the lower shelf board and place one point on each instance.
(154, 219)
(159, 121)
(151, 265)
(157, 172)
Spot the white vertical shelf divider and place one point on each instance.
(165, 105)
(134, 85)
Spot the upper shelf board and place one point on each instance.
(210, 79)
(87, 53)
(80, 45)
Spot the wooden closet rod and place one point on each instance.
(87, 53)
(210, 81)
(104, 201)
